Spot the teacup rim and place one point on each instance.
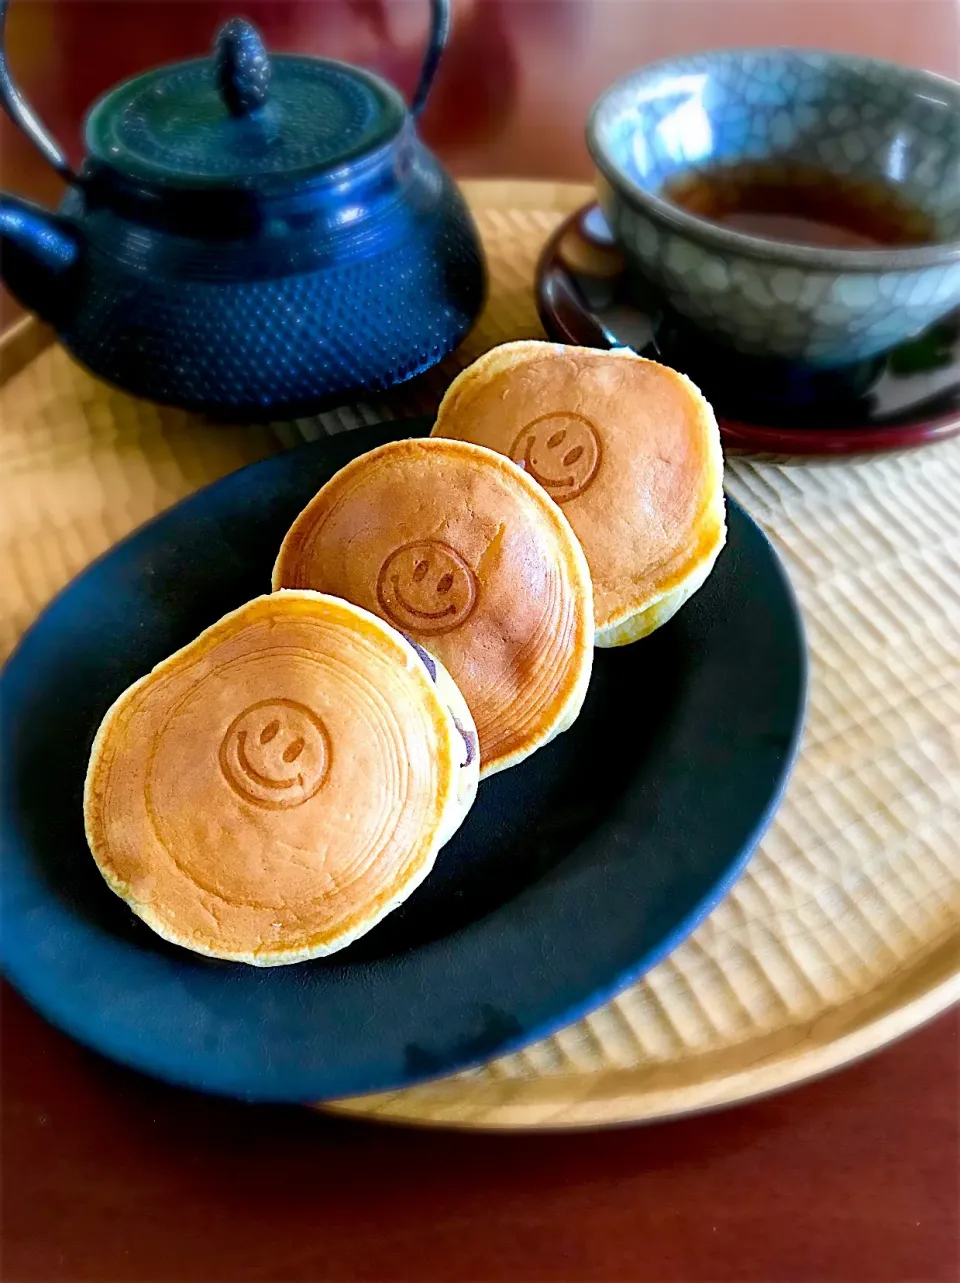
(789, 253)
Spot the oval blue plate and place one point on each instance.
(573, 873)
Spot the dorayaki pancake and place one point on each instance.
(271, 791)
(630, 450)
(458, 548)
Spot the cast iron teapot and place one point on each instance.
(249, 235)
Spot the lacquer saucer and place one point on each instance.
(587, 295)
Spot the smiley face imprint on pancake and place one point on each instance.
(426, 587)
(561, 451)
(275, 754)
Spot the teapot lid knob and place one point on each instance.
(242, 67)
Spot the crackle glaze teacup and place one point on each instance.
(853, 118)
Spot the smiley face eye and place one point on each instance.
(555, 440)
(293, 750)
(420, 570)
(269, 731)
(572, 455)
(445, 583)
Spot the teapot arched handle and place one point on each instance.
(436, 43)
(22, 114)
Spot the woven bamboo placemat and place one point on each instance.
(844, 932)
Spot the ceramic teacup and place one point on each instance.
(856, 119)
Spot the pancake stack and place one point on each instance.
(269, 792)
(272, 790)
(629, 449)
(457, 547)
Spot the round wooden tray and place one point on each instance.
(843, 934)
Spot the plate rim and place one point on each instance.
(706, 1095)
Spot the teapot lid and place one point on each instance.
(241, 119)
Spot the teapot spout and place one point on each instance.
(39, 253)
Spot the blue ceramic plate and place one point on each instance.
(573, 873)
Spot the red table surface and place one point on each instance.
(108, 1176)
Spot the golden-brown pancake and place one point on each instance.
(269, 792)
(459, 549)
(629, 448)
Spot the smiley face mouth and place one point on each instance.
(420, 614)
(250, 770)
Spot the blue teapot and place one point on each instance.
(249, 235)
